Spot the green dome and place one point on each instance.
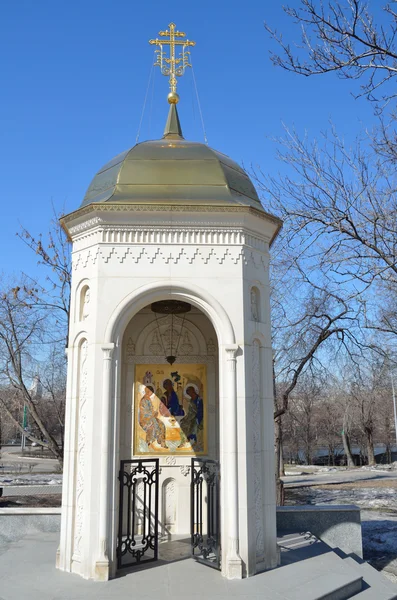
(172, 171)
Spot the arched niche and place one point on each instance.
(82, 301)
(169, 496)
(198, 351)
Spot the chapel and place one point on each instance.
(169, 414)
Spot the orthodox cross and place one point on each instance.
(171, 66)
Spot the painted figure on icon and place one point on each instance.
(170, 401)
(195, 414)
(153, 427)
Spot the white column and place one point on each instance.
(102, 564)
(234, 566)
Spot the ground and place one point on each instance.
(373, 490)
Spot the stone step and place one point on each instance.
(311, 571)
(332, 586)
(370, 594)
(375, 585)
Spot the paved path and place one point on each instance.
(27, 570)
(343, 476)
(11, 456)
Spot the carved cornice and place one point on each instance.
(164, 208)
(89, 224)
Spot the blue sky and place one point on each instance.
(74, 76)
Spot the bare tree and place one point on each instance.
(310, 321)
(53, 252)
(343, 37)
(303, 411)
(35, 315)
(25, 335)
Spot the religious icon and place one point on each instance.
(170, 409)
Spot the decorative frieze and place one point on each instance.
(165, 255)
(185, 236)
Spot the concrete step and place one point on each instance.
(375, 585)
(370, 594)
(311, 571)
(318, 572)
(341, 586)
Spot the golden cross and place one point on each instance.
(171, 66)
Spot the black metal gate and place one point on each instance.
(205, 524)
(138, 512)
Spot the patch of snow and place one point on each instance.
(327, 470)
(31, 479)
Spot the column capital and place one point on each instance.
(107, 350)
(231, 351)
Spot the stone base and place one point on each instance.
(337, 526)
(234, 568)
(102, 570)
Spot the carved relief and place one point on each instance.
(255, 316)
(170, 460)
(85, 313)
(82, 418)
(130, 349)
(185, 470)
(211, 346)
(168, 335)
(186, 346)
(257, 447)
(156, 347)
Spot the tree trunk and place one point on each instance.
(279, 463)
(370, 446)
(347, 448)
(346, 443)
(278, 442)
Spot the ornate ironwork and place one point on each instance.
(138, 512)
(205, 522)
(172, 66)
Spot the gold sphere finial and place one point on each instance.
(173, 98)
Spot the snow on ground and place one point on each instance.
(365, 497)
(31, 479)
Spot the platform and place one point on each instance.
(310, 571)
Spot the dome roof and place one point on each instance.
(172, 171)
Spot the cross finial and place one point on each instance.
(171, 66)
